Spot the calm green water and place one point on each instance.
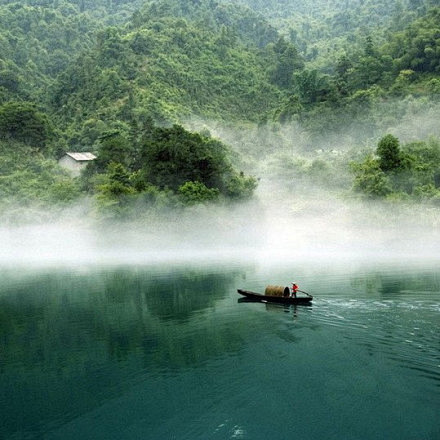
(169, 353)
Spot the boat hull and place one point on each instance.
(275, 299)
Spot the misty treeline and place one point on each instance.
(121, 79)
(400, 173)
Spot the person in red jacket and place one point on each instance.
(294, 289)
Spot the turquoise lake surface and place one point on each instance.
(167, 351)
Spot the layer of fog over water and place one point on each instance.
(279, 228)
(134, 330)
(307, 225)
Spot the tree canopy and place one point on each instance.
(24, 123)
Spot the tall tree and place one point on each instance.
(389, 153)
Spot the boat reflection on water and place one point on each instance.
(278, 307)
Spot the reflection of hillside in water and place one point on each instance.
(383, 285)
(56, 322)
(179, 298)
(119, 313)
(96, 332)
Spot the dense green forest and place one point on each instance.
(188, 102)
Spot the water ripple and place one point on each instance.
(405, 333)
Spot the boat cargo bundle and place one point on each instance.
(277, 291)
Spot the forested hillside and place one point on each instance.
(323, 29)
(115, 78)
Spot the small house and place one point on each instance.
(75, 162)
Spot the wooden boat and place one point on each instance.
(253, 296)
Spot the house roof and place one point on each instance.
(81, 157)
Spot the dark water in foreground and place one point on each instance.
(169, 353)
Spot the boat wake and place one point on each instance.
(405, 333)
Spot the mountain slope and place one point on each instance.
(168, 68)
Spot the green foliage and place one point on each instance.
(289, 110)
(24, 123)
(113, 194)
(117, 181)
(113, 82)
(113, 147)
(428, 193)
(173, 156)
(370, 180)
(168, 167)
(389, 153)
(196, 192)
(311, 87)
(27, 178)
(286, 62)
(63, 191)
(229, 19)
(323, 30)
(213, 59)
(412, 172)
(418, 46)
(170, 62)
(241, 186)
(39, 41)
